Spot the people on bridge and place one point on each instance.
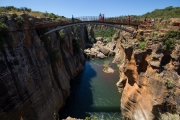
(145, 20)
(72, 19)
(152, 21)
(100, 16)
(135, 20)
(129, 18)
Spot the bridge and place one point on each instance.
(67, 22)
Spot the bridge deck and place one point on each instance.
(47, 24)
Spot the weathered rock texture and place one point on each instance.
(32, 87)
(149, 79)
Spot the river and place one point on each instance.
(94, 93)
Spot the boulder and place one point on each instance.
(108, 70)
(155, 63)
(176, 52)
(111, 45)
(87, 51)
(101, 55)
(104, 50)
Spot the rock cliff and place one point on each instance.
(35, 72)
(149, 78)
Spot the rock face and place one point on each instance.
(149, 79)
(102, 50)
(34, 84)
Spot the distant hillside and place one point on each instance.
(168, 12)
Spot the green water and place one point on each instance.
(94, 93)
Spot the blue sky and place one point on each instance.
(79, 8)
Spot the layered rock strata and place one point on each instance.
(35, 72)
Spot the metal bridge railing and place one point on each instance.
(110, 20)
(105, 19)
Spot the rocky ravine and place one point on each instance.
(31, 86)
(149, 78)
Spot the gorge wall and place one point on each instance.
(149, 78)
(35, 72)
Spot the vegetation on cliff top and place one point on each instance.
(166, 13)
(14, 10)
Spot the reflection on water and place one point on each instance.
(94, 92)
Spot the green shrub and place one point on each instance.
(169, 43)
(2, 9)
(25, 9)
(170, 39)
(108, 32)
(3, 29)
(61, 34)
(142, 45)
(19, 20)
(172, 34)
(90, 40)
(58, 19)
(169, 83)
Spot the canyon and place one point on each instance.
(36, 71)
(149, 76)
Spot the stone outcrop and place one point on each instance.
(99, 50)
(149, 79)
(36, 72)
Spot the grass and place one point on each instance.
(23, 10)
(141, 45)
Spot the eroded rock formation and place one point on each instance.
(149, 79)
